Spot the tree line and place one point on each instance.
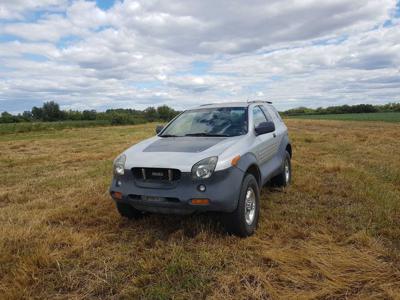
(343, 109)
(51, 112)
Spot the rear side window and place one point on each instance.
(267, 114)
(258, 116)
(274, 111)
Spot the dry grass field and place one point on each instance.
(333, 234)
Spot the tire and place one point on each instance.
(243, 220)
(127, 211)
(283, 179)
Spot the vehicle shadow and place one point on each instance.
(164, 227)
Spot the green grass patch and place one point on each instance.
(382, 116)
(48, 126)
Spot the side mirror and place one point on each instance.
(265, 127)
(159, 128)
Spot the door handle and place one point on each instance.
(274, 135)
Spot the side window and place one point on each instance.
(258, 116)
(273, 109)
(267, 114)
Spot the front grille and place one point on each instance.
(144, 198)
(156, 174)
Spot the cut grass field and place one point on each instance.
(333, 234)
(382, 116)
(8, 128)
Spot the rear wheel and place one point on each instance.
(127, 211)
(284, 178)
(244, 219)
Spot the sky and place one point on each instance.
(134, 54)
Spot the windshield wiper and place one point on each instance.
(169, 135)
(206, 134)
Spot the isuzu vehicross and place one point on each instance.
(215, 157)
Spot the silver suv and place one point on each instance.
(215, 157)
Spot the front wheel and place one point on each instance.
(243, 220)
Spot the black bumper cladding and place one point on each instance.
(157, 193)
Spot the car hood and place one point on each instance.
(175, 152)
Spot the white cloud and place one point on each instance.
(17, 9)
(140, 53)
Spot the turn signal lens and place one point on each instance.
(235, 160)
(200, 201)
(117, 195)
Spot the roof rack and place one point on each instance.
(257, 101)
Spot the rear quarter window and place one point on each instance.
(275, 113)
(267, 113)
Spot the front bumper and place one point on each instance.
(222, 191)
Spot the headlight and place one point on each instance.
(204, 168)
(119, 165)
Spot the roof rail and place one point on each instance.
(205, 104)
(257, 101)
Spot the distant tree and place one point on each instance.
(319, 110)
(341, 109)
(165, 113)
(73, 115)
(366, 108)
(299, 111)
(52, 112)
(37, 113)
(390, 107)
(89, 115)
(345, 109)
(27, 116)
(7, 117)
(117, 119)
(150, 114)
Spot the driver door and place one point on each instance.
(265, 144)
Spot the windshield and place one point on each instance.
(219, 121)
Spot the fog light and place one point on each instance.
(201, 187)
(118, 183)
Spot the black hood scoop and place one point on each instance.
(183, 144)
